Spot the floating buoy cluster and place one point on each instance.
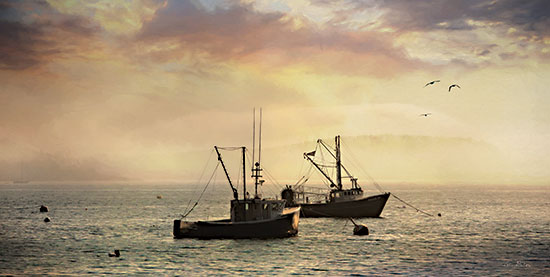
(44, 209)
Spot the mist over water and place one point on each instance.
(483, 230)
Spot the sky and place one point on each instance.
(142, 90)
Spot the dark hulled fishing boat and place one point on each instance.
(337, 202)
(250, 217)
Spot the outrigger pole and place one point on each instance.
(320, 170)
(235, 193)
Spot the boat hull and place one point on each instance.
(371, 206)
(283, 226)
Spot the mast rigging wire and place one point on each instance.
(202, 175)
(203, 190)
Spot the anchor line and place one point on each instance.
(417, 209)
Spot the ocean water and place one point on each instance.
(483, 230)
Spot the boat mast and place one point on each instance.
(338, 163)
(244, 173)
(353, 179)
(235, 193)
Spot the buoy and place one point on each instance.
(438, 214)
(116, 254)
(359, 229)
(47, 219)
(43, 209)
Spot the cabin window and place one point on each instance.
(265, 206)
(246, 206)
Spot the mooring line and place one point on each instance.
(417, 209)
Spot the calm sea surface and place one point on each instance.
(483, 230)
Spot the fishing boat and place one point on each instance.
(337, 201)
(251, 217)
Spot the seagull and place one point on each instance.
(425, 114)
(454, 85)
(431, 83)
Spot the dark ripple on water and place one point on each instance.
(483, 231)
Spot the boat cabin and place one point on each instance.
(255, 209)
(346, 194)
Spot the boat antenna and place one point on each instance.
(256, 169)
(338, 163)
(259, 155)
(260, 139)
(253, 136)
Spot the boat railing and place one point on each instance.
(311, 190)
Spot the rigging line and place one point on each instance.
(230, 148)
(272, 179)
(202, 175)
(357, 164)
(268, 175)
(200, 196)
(268, 188)
(305, 177)
(301, 168)
(331, 173)
(239, 175)
(252, 160)
(417, 209)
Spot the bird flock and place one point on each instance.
(433, 83)
(437, 81)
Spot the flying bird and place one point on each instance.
(431, 83)
(425, 114)
(454, 85)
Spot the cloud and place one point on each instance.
(240, 33)
(34, 33)
(454, 30)
(461, 15)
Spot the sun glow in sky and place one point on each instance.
(141, 90)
